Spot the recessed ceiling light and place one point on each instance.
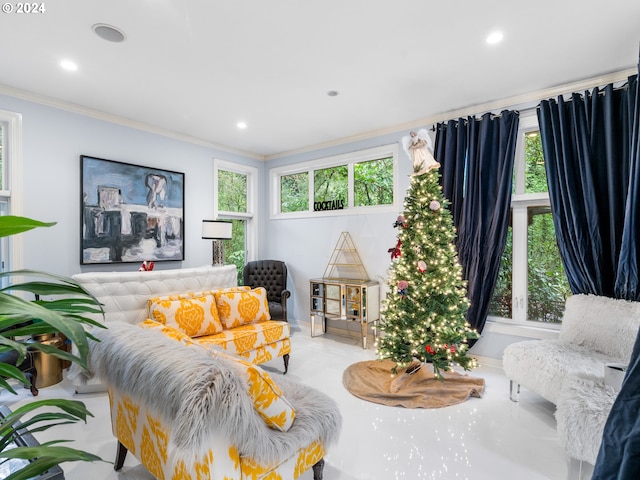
(333, 93)
(69, 65)
(108, 32)
(242, 125)
(495, 37)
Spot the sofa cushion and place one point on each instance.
(194, 314)
(246, 338)
(545, 365)
(266, 396)
(238, 308)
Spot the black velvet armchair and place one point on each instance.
(272, 275)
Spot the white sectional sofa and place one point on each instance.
(569, 371)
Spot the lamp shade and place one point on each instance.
(216, 229)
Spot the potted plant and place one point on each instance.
(60, 305)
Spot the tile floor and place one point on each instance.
(489, 438)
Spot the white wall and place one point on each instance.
(53, 141)
(306, 244)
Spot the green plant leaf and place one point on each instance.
(46, 457)
(12, 306)
(11, 225)
(11, 371)
(55, 352)
(72, 407)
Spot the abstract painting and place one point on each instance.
(130, 213)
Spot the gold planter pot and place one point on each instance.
(49, 368)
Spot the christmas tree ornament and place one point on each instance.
(422, 266)
(434, 205)
(400, 222)
(419, 148)
(402, 287)
(395, 251)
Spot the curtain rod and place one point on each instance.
(622, 85)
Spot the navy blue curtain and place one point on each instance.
(627, 281)
(476, 158)
(590, 147)
(619, 454)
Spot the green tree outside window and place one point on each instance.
(331, 184)
(373, 182)
(294, 192)
(232, 191)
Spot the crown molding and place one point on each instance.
(515, 102)
(118, 120)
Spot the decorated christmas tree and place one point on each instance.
(424, 312)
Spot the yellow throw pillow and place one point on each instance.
(266, 396)
(195, 314)
(241, 307)
(268, 400)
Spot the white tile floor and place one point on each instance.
(489, 438)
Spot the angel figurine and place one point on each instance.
(418, 147)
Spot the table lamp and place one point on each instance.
(217, 230)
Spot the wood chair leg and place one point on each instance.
(121, 454)
(286, 363)
(318, 469)
(32, 377)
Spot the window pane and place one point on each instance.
(234, 249)
(548, 286)
(373, 182)
(501, 305)
(535, 173)
(331, 184)
(294, 192)
(232, 191)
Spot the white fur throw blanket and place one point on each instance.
(199, 396)
(583, 408)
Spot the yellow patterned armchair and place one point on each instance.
(188, 412)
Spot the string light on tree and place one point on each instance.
(425, 320)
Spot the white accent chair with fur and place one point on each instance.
(569, 371)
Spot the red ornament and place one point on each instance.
(453, 349)
(429, 349)
(146, 266)
(422, 266)
(395, 251)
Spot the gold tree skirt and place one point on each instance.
(373, 381)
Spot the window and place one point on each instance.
(359, 182)
(373, 182)
(235, 198)
(532, 285)
(294, 190)
(330, 185)
(10, 177)
(232, 191)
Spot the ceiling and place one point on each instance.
(196, 68)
